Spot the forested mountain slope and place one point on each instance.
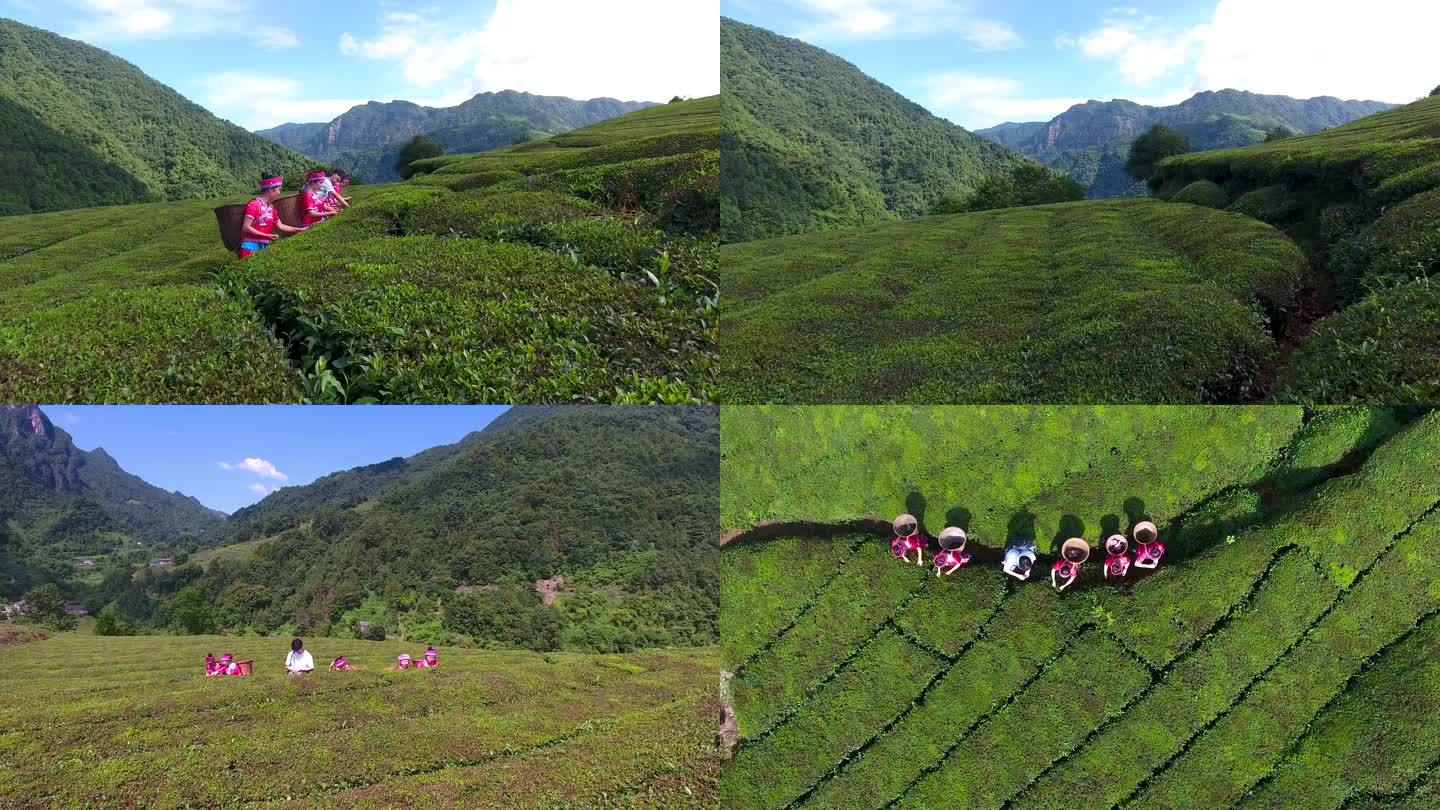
(809, 142)
(80, 127)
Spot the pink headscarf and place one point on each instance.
(271, 182)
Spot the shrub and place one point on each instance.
(419, 147)
(1270, 204)
(109, 622)
(1157, 143)
(45, 606)
(1202, 192)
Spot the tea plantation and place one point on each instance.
(1363, 199)
(128, 722)
(1113, 301)
(1282, 655)
(579, 268)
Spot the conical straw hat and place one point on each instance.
(1114, 537)
(952, 538)
(1145, 532)
(1075, 543)
(904, 523)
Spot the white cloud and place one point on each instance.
(259, 466)
(977, 102)
(262, 489)
(146, 19)
(1299, 48)
(1381, 49)
(880, 19)
(632, 49)
(231, 95)
(275, 38)
(1140, 53)
(67, 418)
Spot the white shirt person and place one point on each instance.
(299, 661)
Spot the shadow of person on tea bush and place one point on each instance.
(1070, 526)
(915, 505)
(959, 517)
(1135, 512)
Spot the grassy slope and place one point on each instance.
(1247, 671)
(410, 295)
(1362, 197)
(536, 730)
(1083, 302)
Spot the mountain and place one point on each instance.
(809, 142)
(366, 140)
(1090, 141)
(58, 501)
(80, 127)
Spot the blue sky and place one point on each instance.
(232, 456)
(981, 62)
(265, 64)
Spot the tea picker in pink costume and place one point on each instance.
(907, 539)
(1073, 553)
(1116, 563)
(261, 222)
(1148, 548)
(952, 554)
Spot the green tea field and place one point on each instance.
(1363, 199)
(579, 268)
(1281, 656)
(1113, 301)
(133, 722)
(1314, 284)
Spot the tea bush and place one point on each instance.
(1243, 671)
(577, 268)
(1114, 301)
(1202, 192)
(538, 729)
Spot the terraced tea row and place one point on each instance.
(568, 270)
(1260, 654)
(1364, 199)
(557, 728)
(1124, 301)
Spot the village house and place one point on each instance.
(15, 610)
(162, 562)
(76, 609)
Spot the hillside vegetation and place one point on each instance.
(1116, 301)
(1089, 141)
(811, 143)
(1364, 200)
(486, 728)
(619, 501)
(366, 139)
(58, 502)
(80, 127)
(576, 268)
(1285, 658)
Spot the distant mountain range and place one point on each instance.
(809, 142)
(367, 139)
(1090, 141)
(80, 127)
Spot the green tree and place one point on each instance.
(1435, 92)
(190, 612)
(45, 606)
(1158, 143)
(418, 148)
(1025, 184)
(1279, 134)
(110, 623)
